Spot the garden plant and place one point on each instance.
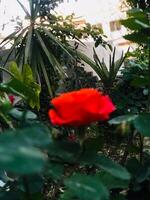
(93, 141)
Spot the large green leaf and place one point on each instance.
(137, 37)
(49, 55)
(112, 182)
(144, 173)
(87, 187)
(13, 68)
(64, 151)
(142, 124)
(54, 170)
(134, 24)
(113, 168)
(20, 159)
(19, 149)
(56, 41)
(122, 119)
(19, 114)
(106, 164)
(140, 81)
(28, 45)
(8, 89)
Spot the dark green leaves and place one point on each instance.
(19, 150)
(24, 83)
(139, 24)
(107, 74)
(87, 187)
(106, 164)
(113, 168)
(54, 170)
(20, 159)
(112, 182)
(142, 124)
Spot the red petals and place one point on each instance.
(80, 108)
(11, 99)
(72, 137)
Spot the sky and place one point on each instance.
(91, 10)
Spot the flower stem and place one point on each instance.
(27, 189)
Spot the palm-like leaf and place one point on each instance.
(107, 74)
(37, 37)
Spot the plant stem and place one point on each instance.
(129, 143)
(141, 147)
(148, 107)
(7, 121)
(7, 71)
(27, 189)
(148, 103)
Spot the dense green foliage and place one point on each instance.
(107, 160)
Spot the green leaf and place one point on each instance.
(123, 118)
(65, 151)
(56, 41)
(54, 170)
(133, 166)
(144, 173)
(46, 77)
(27, 75)
(28, 45)
(13, 195)
(105, 163)
(19, 150)
(35, 183)
(112, 182)
(53, 61)
(113, 168)
(67, 195)
(15, 71)
(24, 9)
(137, 37)
(140, 81)
(87, 187)
(21, 159)
(8, 89)
(94, 144)
(134, 24)
(31, 93)
(142, 124)
(18, 114)
(142, 24)
(119, 196)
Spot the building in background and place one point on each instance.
(105, 13)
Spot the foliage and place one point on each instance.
(24, 83)
(28, 159)
(107, 74)
(136, 125)
(142, 4)
(34, 157)
(77, 78)
(131, 91)
(138, 23)
(43, 42)
(40, 161)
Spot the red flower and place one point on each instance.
(11, 99)
(72, 137)
(79, 108)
